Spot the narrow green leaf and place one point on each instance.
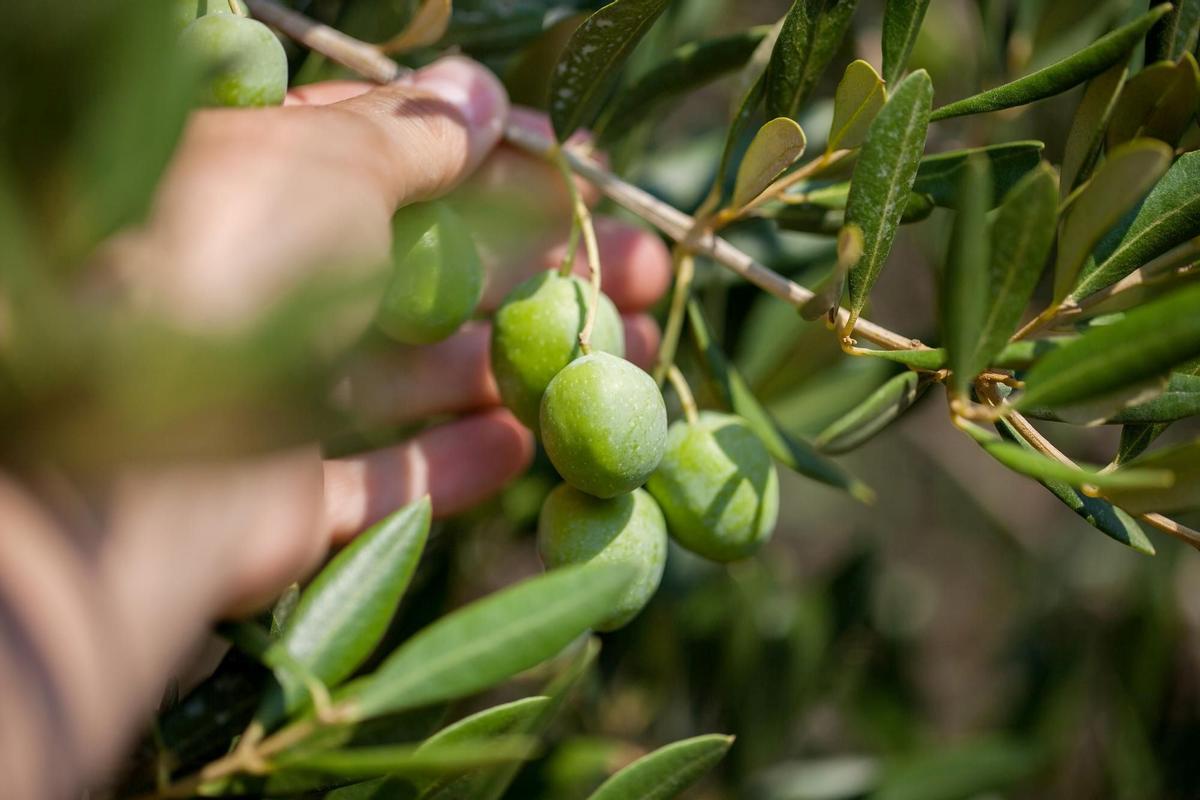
(344, 612)
(1090, 125)
(1057, 78)
(828, 297)
(1180, 400)
(365, 762)
(901, 23)
(810, 35)
(831, 219)
(490, 640)
(504, 718)
(928, 358)
(1100, 514)
(1159, 102)
(1120, 182)
(774, 148)
(667, 771)
(1174, 34)
(1035, 465)
(691, 66)
(964, 296)
(1146, 343)
(1135, 439)
(1022, 354)
(861, 423)
(940, 175)
(859, 97)
(1021, 236)
(1169, 217)
(596, 50)
(883, 179)
(1183, 461)
(791, 450)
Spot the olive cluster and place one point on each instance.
(242, 60)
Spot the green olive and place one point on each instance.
(717, 487)
(183, 12)
(628, 529)
(536, 334)
(604, 424)
(243, 59)
(437, 277)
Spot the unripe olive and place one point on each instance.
(604, 424)
(628, 529)
(245, 62)
(183, 12)
(437, 277)
(536, 334)
(717, 487)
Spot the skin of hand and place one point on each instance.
(101, 606)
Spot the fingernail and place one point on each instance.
(471, 89)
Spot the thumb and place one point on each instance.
(437, 126)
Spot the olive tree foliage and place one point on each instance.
(1065, 295)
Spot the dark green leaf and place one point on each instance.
(792, 451)
(688, 68)
(811, 33)
(1174, 34)
(830, 219)
(859, 97)
(901, 23)
(965, 295)
(597, 49)
(1183, 495)
(1135, 439)
(1122, 180)
(1056, 78)
(1100, 514)
(926, 358)
(774, 148)
(971, 769)
(1146, 343)
(1180, 400)
(885, 405)
(666, 772)
(1158, 102)
(1090, 125)
(490, 640)
(363, 762)
(828, 297)
(1170, 216)
(883, 179)
(939, 176)
(1022, 354)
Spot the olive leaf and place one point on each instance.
(1021, 235)
(828, 215)
(883, 179)
(858, 98)
(1121, 181)
(490, 640)
(926, 358)
(1137, 436)
(1169, 217)
(1183, 494)
(691, 66)
(1159, 102)
(1100, 514)
(940, 175)
(666, 772)
(883, 407)
(1035, 465)
(828, 297)
(1174, 34)
(1089, 126)
(1180, 399)
(964, 295)
(794, 452)
(1056, 78)
(808, 39)
(901, 23)
(596, 50)
(1147, 342)
(428, 25)
(774, 148)
(1022, 354)
(409, 760)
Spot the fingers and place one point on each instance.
(435, 127)
(459, 465)
(326, 93)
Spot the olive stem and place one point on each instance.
(235, 9)
(686, 399)
(685, 271)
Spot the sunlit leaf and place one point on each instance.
(775, 147)
(861, 423)
(859, 97)
(927, 358)
(666, 772)
(808, 39)
(1071, 71)
(1159, 102)
(1088, 128)
(1121, 181)
(597, 49)
(883, 178)
(1183, 461)
(363, 762)
(901, 23)
(964, 295)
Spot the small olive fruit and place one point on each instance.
(437, 277)
(536, 333)
(628, 529)
(604, 424)
(717, 487)
(245, 62)
(184, 11)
